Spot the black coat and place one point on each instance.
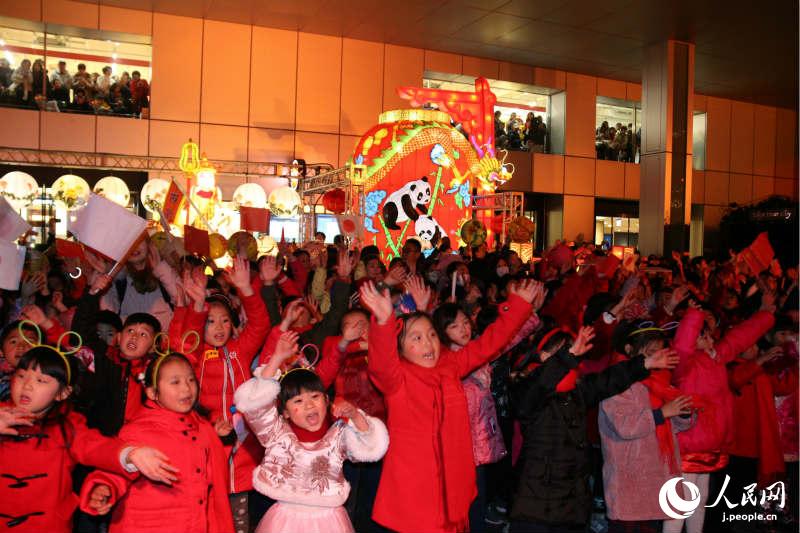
(554, 463)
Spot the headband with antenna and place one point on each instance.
(57, 348)
(301, 358)
(163, 354)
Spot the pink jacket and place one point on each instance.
(705, 446)
(487, 439)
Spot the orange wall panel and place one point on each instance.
(226, 66)
(68, 131)
(401, 66)
(223, 142)
(716, 187)
(581, 108)
(347, 143)
(319, 69)
(718, 134)
(742, 132)
(578, 175)
(632, 181)
(442, 62)
(270, 145)
(361, 102)
(609, 179)
(786, 144)
(712, 215)
(762, 187)
(764, 141)
(69, 13)
(126, 20)
(317, 147)
(578, 217)
(177, 47)
(479, 66)
(548, 173)
(741, 189)
(25, 133)
(633, 91)
(698, 186)
(611, 88)
(166, 138)
(786, 187)
(547, 77)
(516, 72)
(273, 78)
(699, 102)
(117, 135)
(21, 10)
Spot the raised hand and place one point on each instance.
(526, 289)
(153, 257)
(100, 499)
(13, 416)
(345, 265)
(153, 465)
(583, 342)
(286, 345)
(396, 275)
(195, 289)
(222, 427)
(269, 269)
(58, 301)
(380, 303)
(239, 275)
(682, 405)
(769, 355)
(419, 291)
(345, 409)
(352, 331)
(768, 301)
(664, 358)
(100, 283)
(94, 262)
(291, 313)
(36, 314)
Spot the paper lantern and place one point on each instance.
(266, 244)
(153, 193)
(473, 233)
(521, 229)
(241, 241)
(70, 191)
(334, 201)
(249, 195)
(217, 245)
(19, 189)
(114, 189)
(284, 202)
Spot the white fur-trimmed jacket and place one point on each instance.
(307, 473)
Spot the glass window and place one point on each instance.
(328, 225)
(618, 129)
(286, 227)
(699, 141)
(616, 231)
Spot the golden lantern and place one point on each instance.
(70, 191)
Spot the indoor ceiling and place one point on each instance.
(744, 50)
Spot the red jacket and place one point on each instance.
(350, 374)
(219, 375)
(197, 503)
(36, 485)
(428, 479)
(705, 446)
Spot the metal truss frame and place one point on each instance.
(510, 205)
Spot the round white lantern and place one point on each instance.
(266, 245)
(154, 191)
(19, 189)
(284, 202)
(249, 195)
(114, 189)
(70, 191)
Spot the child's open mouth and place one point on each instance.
(219, 337)
(428, 356)
(312, 419)
(24, 400)
(131, 346)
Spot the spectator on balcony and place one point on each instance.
(499, 131)
(22, 83)
(41, 83)
(104, 83)
(539, 136)
(119, 102)
(140, 92)
(62, 75)
(513, 128)
(527, 137)
(5, 73)
(125, 79)
(82, 79)
(81, 102)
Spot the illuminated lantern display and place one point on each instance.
(284, 202)
(266, 245)
(217, 245)
(521, 229)
(249, 195)
(114, 189)
(153, 194)
(473, 233)
(19, 189)
(70, 191)
(243, 243)
(204, 192)
(418, 171)
(334, 201)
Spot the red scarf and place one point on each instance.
(304, 435)
(661, 392)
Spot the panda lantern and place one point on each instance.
(413, 166)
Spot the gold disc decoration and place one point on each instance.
(473, 233)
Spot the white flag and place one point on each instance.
(11, 224)
(108, 228)
(351, 226)
(12, 259)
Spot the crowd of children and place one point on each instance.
(327, 389)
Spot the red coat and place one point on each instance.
(350, 374)
(428, 479)
(197, 503)
(217, 384)
(44, 468)
(705, 447)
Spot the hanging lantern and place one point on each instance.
(266, 244)
(205, 193)
(217, 245)
(153, 194)
(70, 191)
(249, 195)
(114, 189)
(19, 189)
(334, 201)
(244, 243)
(521, 229)
(473, 233)
(284, 202)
